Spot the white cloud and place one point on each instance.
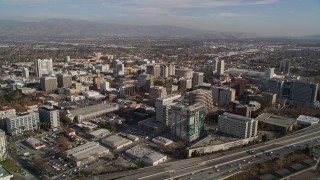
(230, 14)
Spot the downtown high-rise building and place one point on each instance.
(285, 66)
(25, 72)
(218, 67)
(203, 96)
(186, 121)
(49, 117)
(163, 105)
(118, 68)
(64, 80)
(223, 96)
(43, 67)
(197, 79)
(48, 84)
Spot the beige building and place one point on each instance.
(48, 84)
(223, 96)
(64, 80)
(202, 96)
(156, 92)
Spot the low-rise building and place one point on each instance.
(92, 112)
(5, 174)
(116, 142)
(148, 156)
(86, 153)
(100, 133)
(132, 137)
(35, 143)
(307, 120)
(276, 123)
(162, 141)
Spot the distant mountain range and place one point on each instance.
(88, 29)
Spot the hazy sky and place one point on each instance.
(268, 17)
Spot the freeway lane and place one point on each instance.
(178, 168)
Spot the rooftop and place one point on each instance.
(276, 120)
(88, 145)
(4, 173)
(235, 117)
(116, 140)
(139, 151)
(92, 109)
(90, 152)
(99, 132)
(214, 139)
(308, 119)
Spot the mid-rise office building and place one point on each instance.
(20, 123)
(156, 92)
(171, 70)
(118, 68)
(186, 122)
(25, 72)
(163, 105)
(49, 117)
(145, 81)
(201, 96)
(153, 69)
(238, 126)
(269, 73)
(104, 87)
(48, 84)
(43, 67)
(285, 66)
(3, 145)
(223, 96)
(64, 80)
(164, 70)
(197, 79)
(220, 68)
(239, 84)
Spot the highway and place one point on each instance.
(219, 165)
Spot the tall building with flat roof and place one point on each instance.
(223, 96)
(48, 84)
(185, 73)
(197, 79)
(64, 80)
(285, 66)
(118, 68)
(163, 105)
(25, 72)
(49, 117)
(17, 125)
(186, 122)
(156, 92)
(43, 67)
(220, 67)
(236, 125)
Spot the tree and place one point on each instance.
(63, 143)
(65, 119)
(264, 138)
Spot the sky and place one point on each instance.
(264, 17)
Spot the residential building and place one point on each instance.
(48, 84)
(22, 122)
(185, 73)
(43, 67)
(49, 117)
(238, 126)
(185, 85)
(186, 121)
(164, 70)
(163, 105)
(220, 68)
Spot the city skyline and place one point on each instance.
(263, 17)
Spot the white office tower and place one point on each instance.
(3, 145)
(163, 105)
(269, 73)
(49, 117)
(236, 125)
(25, 72)
(171, 70)
(104, 87)
(118, 68)
(220, 68)
(197, 79)
(215, 66)
(43, 67)
(223, 96)
(285, 66)
(68, 59)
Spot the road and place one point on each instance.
(229, 161)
